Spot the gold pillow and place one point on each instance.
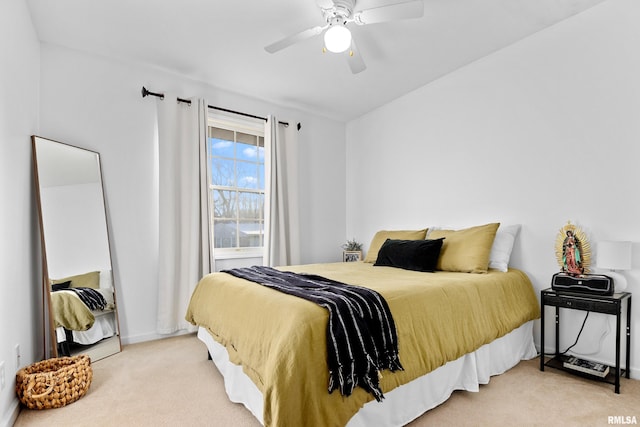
(382, 235)
(86, 280)
(466, 250)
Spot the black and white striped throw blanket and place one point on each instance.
(361, 334)
(93, 299)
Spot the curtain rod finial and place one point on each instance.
(146, 92)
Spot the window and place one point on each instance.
(235, 153)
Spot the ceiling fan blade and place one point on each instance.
(406, 10)
(356, 63)
(293, 39)
(324, 4)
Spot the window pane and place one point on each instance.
(222, 147)
(248, 152)
(224, 204)
(250, 205)
(221, 138)
(247, 175)
(218, 133)
(250, 234)
(261, 177)
(222, 172)
(224, 234)
(246, 138)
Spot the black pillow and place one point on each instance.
(418, 255)
(60, 286)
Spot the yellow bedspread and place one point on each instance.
(280, 340)
(70, 312)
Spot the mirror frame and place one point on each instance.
(49, 330)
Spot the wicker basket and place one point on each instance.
(54, 383)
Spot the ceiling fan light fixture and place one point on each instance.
(337, 38)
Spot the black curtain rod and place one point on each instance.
(146, 92)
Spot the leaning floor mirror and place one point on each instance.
(80, 312)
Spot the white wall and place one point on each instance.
(539, 133)
(20, 290)
(95, 103)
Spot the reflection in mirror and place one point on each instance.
(79, 293)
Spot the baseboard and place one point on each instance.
(9, 418)
(151, 337)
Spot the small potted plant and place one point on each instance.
(352, 251)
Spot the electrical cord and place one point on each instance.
(602, 337)
(577, 338)
(579, 333)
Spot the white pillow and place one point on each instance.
(502, 246)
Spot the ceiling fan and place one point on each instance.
(338, 14)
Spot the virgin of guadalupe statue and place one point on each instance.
(571, 254)
(573, 250)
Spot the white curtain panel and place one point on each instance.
(207, 262)
(183, 223)
(282, 226)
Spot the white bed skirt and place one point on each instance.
(406, 403)
(104, 326)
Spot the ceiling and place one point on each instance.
(221, 43)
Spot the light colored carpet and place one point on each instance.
(170, 382)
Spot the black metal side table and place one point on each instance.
(587, 302)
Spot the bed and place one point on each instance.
(77, 323)
(455, 330)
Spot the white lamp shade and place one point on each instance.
(337, 38)
(614, 255)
